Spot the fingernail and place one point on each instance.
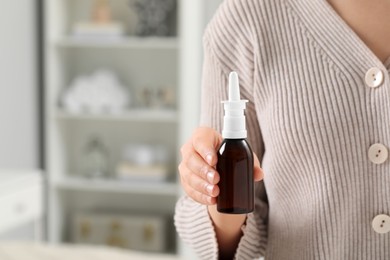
(209, 158)
(210, 177)
(210, 188)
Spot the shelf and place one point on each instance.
(125, 42)
(146, 115)
(153, 188)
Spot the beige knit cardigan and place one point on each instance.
(312, 118)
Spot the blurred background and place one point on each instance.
(96, 97)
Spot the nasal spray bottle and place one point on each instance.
(235, 157)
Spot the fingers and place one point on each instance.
(258, 173)
(199, 184)
(197, 175)
(205, 142)
(200, 197)
(198, 166)
(198, 189)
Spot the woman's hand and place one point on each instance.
(200, 181)
(197, 168)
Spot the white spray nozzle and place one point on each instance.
(234, 119)
(234, 87)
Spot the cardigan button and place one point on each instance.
(381, 224)
(374, 77)
(378, 153)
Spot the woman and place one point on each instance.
(316, 77)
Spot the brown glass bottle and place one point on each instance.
(235, 167)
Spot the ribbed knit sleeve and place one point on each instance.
(195, 227)
(227, 47)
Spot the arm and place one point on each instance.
(210, 233)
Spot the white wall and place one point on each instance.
(18, 87)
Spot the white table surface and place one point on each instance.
(39, 251)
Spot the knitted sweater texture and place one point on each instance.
(312, 118)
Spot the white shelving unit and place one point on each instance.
(152, 61)
(138, 62)
(139, 115)
(126, 42)
(78, 184)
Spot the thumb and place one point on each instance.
(258, 173)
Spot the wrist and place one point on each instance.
(228, 224)
(228, 231)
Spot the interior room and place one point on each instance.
(194, 129)
(96, 98)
